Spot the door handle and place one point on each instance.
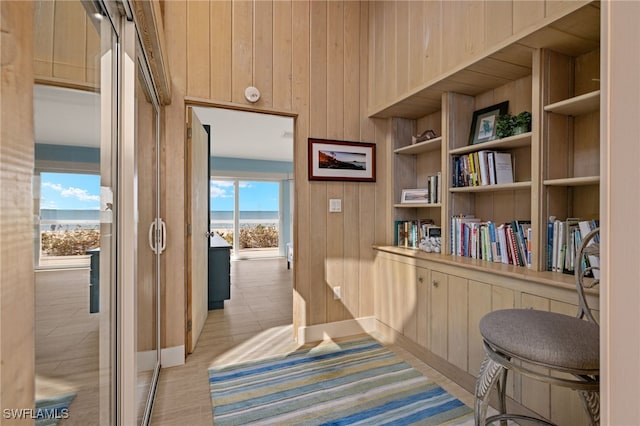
(158, 236)
(163, 235)
(152, 242)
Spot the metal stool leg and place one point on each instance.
(502, 393)
(591, 401)
(489, 374)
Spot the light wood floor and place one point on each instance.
(67, 342)
(255, 323)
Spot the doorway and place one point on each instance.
(250, 190)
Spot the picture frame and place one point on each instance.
(414, 196)
(483, 124)
(342, 160)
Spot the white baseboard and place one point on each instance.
(315, 333)
(146, 360)
(170, 357)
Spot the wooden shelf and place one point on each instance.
(575, 181)
(579, 105)
(420, 147)
(490, 188)
(416, 205)
(517, 141)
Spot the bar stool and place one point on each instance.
(519, 339)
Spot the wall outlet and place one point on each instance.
(337, 293)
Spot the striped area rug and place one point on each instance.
(357, 382)
(49, 411)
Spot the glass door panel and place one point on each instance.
(259, 218)
(222, 202)
(149, 247)
(75, 182)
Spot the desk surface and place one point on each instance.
(216, 241)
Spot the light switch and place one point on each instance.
(335, 205)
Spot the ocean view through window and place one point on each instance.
(256, 226)
(69, 214)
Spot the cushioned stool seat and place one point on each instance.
(523, 340)
(546, 338)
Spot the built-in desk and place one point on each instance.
(219, 272)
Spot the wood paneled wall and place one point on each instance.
(17, 295)
(67, 44)
(415, 42)
(308, 59)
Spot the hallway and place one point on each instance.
(255, 323)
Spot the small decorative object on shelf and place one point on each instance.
(431, 240)
(484, 123)
(415, 196)
(509, 125)
(424, 136)
(522, 123)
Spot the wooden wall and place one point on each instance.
(308, 59)
(17, 353)
(414, 42)
(67, 44)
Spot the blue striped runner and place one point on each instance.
(360, 382)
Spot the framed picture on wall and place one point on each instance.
(342, 160)
(483, 124)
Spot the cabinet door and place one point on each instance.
(390, 293)
(423, 277)
(384, 278)
(438, 318)
(479, 306)
(457, 323)
(409, 279)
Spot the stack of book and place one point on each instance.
(508, 243)
(482, 168)
(409, 233)
(434, 195)
(563, 242)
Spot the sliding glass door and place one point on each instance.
(247, 213)
(75, 186)
(258, 218)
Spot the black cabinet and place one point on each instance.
(219, 272)
(94, 281)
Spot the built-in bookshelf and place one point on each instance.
(570, 140)
(555, 165)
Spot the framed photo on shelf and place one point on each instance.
(342, 160)
(414, 196)
(483, 124)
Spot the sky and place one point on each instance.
(67, 191)
(254, 196)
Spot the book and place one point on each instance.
(484, 167)
(520, 228)
(585, 227)
(503, 167)
(492, 168)
(504, 247)
(550, 223)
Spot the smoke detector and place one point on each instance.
(252, 94)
